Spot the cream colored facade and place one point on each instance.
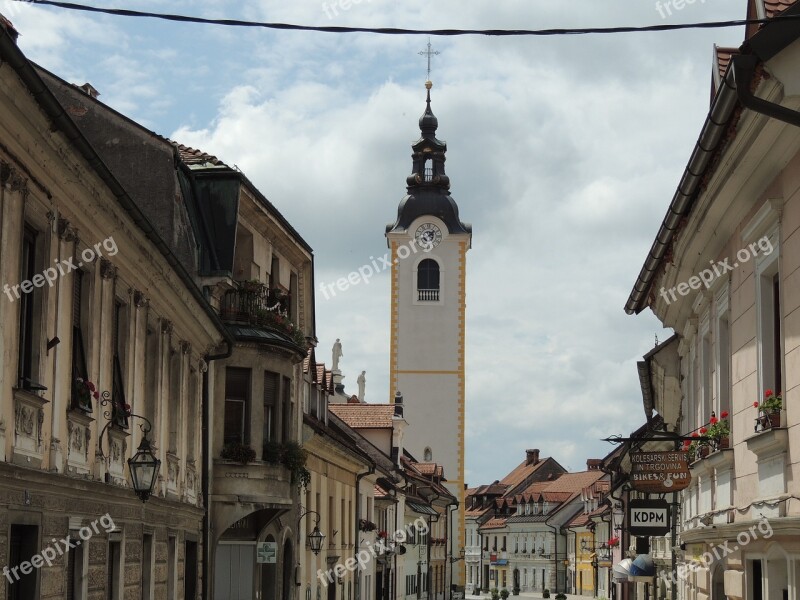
(740, 338)
(119, 306)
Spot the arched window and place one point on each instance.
(428, 455)
(428, 280)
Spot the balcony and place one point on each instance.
(253, 305)
(257, 482)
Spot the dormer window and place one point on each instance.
(528, 508)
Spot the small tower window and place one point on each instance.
(427, 171)
(428, 281)
(428, 455)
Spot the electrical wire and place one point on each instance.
(122, 12)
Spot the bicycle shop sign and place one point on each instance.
(659, 472)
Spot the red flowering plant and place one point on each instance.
(83, 391)
(382, 534)
(771, 403)
(613, 542)
(719, 427)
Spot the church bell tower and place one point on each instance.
(428, 244)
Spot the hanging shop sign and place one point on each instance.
(659, 472)
(648, 518)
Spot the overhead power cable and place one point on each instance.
(123, 12)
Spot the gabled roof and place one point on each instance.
(521, 472)
(495, 523)
(364, 416)
(775, 7)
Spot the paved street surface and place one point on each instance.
(527, 596)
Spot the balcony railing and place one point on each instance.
(428, 295)
(256, 305)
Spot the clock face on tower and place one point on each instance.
(428, 235)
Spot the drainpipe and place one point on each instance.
(555, 550)
(357, 545)
(206, 435)
(449, 539)
(744, 66)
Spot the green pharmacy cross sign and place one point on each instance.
(267, 552)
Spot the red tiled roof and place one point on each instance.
(380, 492)
(364, 416)
(494, 523)
(724, 56)
(192, 156)
(775, 7)
(574, 482)
(522, 471)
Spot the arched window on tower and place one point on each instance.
(427, 171)
(428, 455)
(428, 281)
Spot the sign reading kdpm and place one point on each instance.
(648, 517)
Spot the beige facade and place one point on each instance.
(119, 311)
(740, 335)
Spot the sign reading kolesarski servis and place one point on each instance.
(659, 472)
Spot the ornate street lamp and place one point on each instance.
(143, 465)
(618, 516)
(316, 537)
(144, 468)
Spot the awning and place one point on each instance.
(500, 562)
(622, 570)
(422, 509)
(643, 569)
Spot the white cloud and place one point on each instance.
(563, 153)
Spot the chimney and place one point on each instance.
(532, 457)
(593, 464)
(89, 90)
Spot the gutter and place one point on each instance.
(357, 545)
(205, 470)
(736, 89)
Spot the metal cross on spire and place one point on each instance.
(429, 52)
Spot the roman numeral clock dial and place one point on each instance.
(428, 235)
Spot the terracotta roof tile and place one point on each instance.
(775, 7)
(519, 473)
(365, 416)
(494, 523)
(192, 156)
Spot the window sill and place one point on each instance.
(768, 443)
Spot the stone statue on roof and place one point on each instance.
(362, 382)
(337, 354)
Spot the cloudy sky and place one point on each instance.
(563, 153)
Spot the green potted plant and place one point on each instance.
(515, 591)
(294, 458)
(504, 593)
(546, 593)
(770, 410)
(561, 596)
(720, 430)
(495, 594)
(238, 452)
(272, 453)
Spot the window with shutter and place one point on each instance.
(80, 399)
(119, 408)
(271, 381)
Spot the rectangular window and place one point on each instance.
(768, 293)
(172, 567)
(23, 544)
(707, 377)
(286, 414)
(237, 394)
(119, 346)
(29, 310)
(81, 396)
(271, 381)
(723, 357)
(147, 566)
(77, 570)
(190, 571)
(113, 570)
